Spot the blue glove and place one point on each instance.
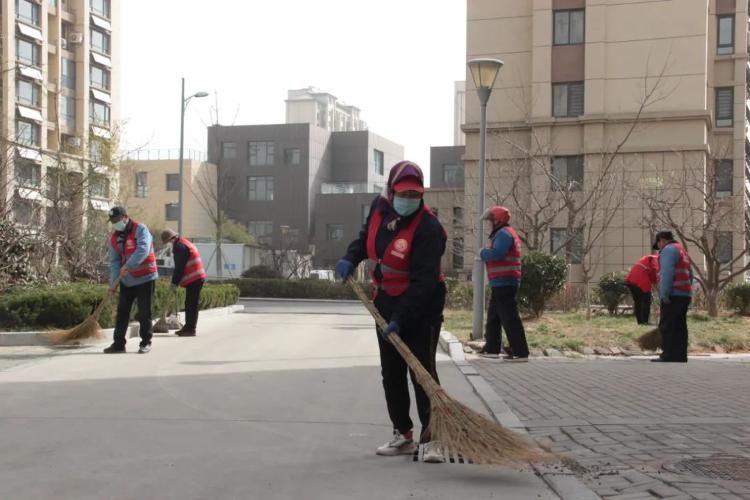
(391, 328)
(173, 287)
(344, 269)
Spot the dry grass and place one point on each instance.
(572, 331)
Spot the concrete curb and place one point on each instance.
(310, 301)
(17, 339)
(562, 481)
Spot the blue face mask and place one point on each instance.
(406, 206)
(119, 226)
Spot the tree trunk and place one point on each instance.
(712, 301)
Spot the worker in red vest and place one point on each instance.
(132, 259)
(188, 273)
(403, 243)
(675, 294)
(642, 277)
(503, 260)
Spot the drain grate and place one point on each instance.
(728, 468)
(450, 458)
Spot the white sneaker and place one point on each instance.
(433, 454)
(398, 445)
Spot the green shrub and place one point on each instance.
(737, 298)
(612, 291)
(293, 289)
(460, 294)
(64, 306)
(261, 272)
(543, 276)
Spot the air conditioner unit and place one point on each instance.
(74, 142)
(76, 38)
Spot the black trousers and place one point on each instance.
(192, 298)
(422, 337)
(503, 314)
(144, 294)
(641, 304)
(673, 327)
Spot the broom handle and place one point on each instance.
(424, 377)
(106, 299)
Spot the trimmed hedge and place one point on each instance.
(67, 305)
(297, 289)
(737, 298)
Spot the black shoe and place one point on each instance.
(516, 359)
(115, 349)
(145, 348)
(185, 333)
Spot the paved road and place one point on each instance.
(631, 424)
(258, 406)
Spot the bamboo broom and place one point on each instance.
(88, 328)
(651, 340)
(458, 428)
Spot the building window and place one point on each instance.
(141, 184)
(172, 211)
(262, 230)
(458, 216)
(458, 253)
(68, 111)
(28, 52)
(260, 188)
(27, 92)
(568, 27)
(228, 150)
(27, 133)
(292, 156)
(96, 150)
(567, 173)
(173, 182)
(568, 246)
(99, 77)
(99, 113)
(724, 247)
(100, 41)
(724, 106)
(724, 175)
(567, 99)
(68, 73)
(261, 154)
(378, 162)
(453, 175)
(334, 232)
(99, 186)
(101, 8)
(28, 11)
(24, 213)
(28, 174)
(725, 34)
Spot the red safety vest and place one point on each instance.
(645, 273)
(194, 269)
(681, 278)
(510, 265)
(394, 266)
(148, 266)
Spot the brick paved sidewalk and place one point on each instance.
(630, 425)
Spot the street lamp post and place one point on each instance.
(484, 73)
(183, 105)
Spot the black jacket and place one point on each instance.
(180, 254)
(425, 297)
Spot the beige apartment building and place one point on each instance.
(660, 83)
(59, 109)
(149, 189)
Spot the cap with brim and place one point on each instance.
(117, 212)
(662, 235)
(408, 184)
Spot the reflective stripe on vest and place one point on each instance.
(194, 269)
(510, 265)
(148, 266)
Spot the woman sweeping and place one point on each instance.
(403, 243)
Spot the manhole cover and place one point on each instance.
(450, 458)
(726, 468)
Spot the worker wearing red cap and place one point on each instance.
(503, 260)
(403, 243)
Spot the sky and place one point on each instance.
(396, 60)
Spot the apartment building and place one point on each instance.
(571, 94)
(324, 110)
(277, 175)
(150, 190)
(59, 108)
